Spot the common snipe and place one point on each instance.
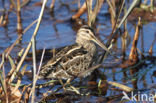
(74, 59)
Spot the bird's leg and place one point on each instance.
(63, 85)
(67, 83)
(72, 87)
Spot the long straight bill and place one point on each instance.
(100, 44)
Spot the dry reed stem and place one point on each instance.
(27, 91)
(1, 19)
(96, 10)
(75, 90)
(40, 65)
(19, 80)
(19, 20)
(25, 2)
(89, 11)
(120, 10)
(35, 76)
(33, 47)
(81, 11)
(5, 85)
(34, 68)
(115, 22)
(18, 39)
(123, 87)
(133, 56)
(52, 4)
(152, 5)
(1, 80)
(93, 13)
(4, 18)
(128, 12)
(116, 30)
(28, 47)
(124, 38)
(112, 7)
(13, 45)
(2, 62)
(151, 48)
(13, 66)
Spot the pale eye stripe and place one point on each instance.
(88, 28)
(84, 30)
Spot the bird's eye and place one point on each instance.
(87, 31)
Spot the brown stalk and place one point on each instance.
(96, 10)
(124, 43)
(93, 13)
(81, 11)
(89, 10)
(5, 85)
(29, 45)
(116, 29)
(133, 56)
(112, 12)
(142, 44)
(25, 2)
(1, 19)
(52, 5)
(19, 80)
(151, 48)
(18, 39)
(123, 87)
(124, 38)
(4, 18)
(13, 66)
(19, 20)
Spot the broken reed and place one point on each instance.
(15, 70)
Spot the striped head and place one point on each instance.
(86, 34)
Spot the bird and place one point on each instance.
(74, 60)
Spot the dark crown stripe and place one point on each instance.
(87, 27)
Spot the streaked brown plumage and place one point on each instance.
(74, 59)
